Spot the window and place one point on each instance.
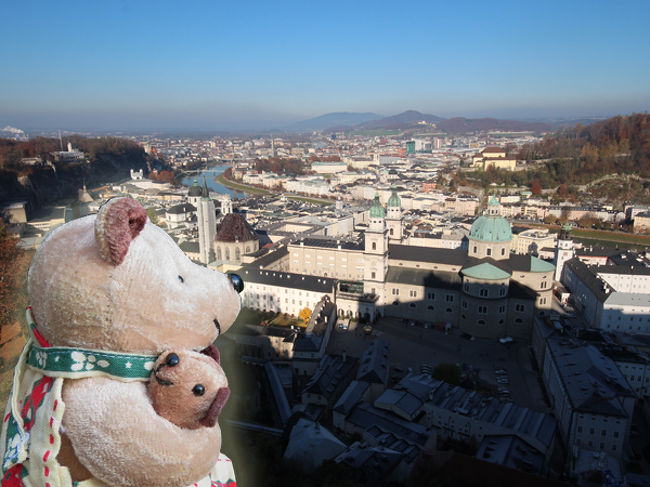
(395, 292)
(465, 304)
(482, 309)
(391, 232)
(520, 308)
(502, 291)
(474, 248)
(483, 292)
(372, 275)
(503, 251)
(449, 298)
(430, 308)
(544, 284)
(448, 310)
(488, 251)
(431, 296)
(413, 294)
(481, 322)
(518, 320)
(374, 246)
(412, 305)
(502, 308)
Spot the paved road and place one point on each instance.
(416, 346)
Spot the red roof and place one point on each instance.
(235, 228)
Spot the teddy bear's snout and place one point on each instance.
(172, 360)
(237, 282)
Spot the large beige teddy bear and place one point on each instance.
(109, 293)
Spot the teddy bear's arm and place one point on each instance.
(118, 437)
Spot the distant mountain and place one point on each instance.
(401, 121)
(336, 119)
(412, 119)
(460, 125)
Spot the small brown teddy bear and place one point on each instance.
(189, 388)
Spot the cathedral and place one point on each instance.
(485, 291)
(223, 241)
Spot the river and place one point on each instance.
(210, 179)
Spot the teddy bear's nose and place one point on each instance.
(172, 359)
(237, 282)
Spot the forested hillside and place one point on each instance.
(578, 155)
(616, 145)
(107, 159)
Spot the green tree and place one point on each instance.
(153, 216)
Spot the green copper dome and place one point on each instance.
(486, 271)
(491, 227)
(394, 199)
(376, 210)
(195, 189)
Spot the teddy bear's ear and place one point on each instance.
(118, 222)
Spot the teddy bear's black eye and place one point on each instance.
(180, 278)
(198, 390)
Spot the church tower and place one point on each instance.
(394, 217)
(563, 250)
(226, 205)
(207, 225)
(376, 246)
(194, 194)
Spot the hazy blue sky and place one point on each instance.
(139, 64)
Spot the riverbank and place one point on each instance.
(221, 179)
(253, 190)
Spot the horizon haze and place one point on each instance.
(258, 66)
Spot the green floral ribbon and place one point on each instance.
(77, 363)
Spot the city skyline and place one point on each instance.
(257, 66)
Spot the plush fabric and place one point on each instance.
(189, 390)
(111, 433)
(113, 283)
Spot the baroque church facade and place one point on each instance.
(485, 290)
